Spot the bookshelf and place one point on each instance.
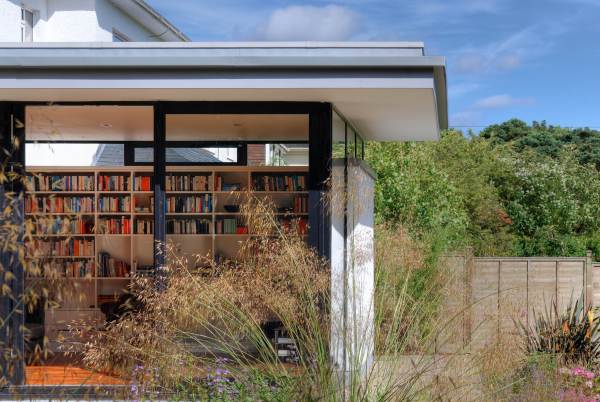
(115, 212)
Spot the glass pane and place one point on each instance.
(351, 144)
(83, 154)
(27, 17)
(278, 154)
(360, 148)
(189, 155)
(338, 132)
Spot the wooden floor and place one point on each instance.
(63, 369)
(57, 375)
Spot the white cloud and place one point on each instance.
(469, 118)
(484, 64)
(472, 64)
(308, 23)
(500, 101)
(507, 62)
(456, 90)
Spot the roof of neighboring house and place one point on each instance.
(151, 19)
(113, 155)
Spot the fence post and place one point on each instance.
(589, 280)
(469, 294)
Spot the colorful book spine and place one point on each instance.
(188, 183)
(200, 204)
(114, 225)
(59, 205)
(188, 226)
(114, 204)
(110, 268)
(143, 226)
(113, 183)
(59, 248)
(43, 182)
(143, 183)
(64, 227)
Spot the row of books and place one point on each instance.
(144, 226)
(221, 186)
(279, 183)
(296, 226)
(63, 226)
(60, 183)
(114, 225)
(64, 268)
(229, 226)
(114, 204)
(301, 205)
(111, 268)
(113, 183)
(59, 205)
(143, 270)
(188, 183)
(201, 204)
(142, 183)
(59, 248)
(188, 226)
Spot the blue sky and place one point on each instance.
(529, 59)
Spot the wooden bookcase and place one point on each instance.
(129, 247)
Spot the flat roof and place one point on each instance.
(389, 90)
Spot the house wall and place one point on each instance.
(70, 21)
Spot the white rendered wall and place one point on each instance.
(70, 21)
(352, 270)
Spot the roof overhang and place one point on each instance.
(390, 91)
(151, 19)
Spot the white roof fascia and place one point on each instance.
(151, 19)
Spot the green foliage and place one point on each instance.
(513, 190)
(411, 189)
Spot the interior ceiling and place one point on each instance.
(89, 123)
(234, 127)
(136, 123)
(380, 114)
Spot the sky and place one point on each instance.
(528, 59)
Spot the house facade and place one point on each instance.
(84, 21)
(161, 104)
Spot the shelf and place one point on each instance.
(189, 213)
(62, 235)
(60, 213)
(144, 213)
(142, 192)
(125, 192)
(190, 234)
(64, 277)
(119, 278)
(62, 192)
(61, 257)
(190, 192)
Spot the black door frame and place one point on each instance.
(319, 173)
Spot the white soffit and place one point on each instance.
(379, 114)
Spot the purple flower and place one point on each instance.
(589, 374)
